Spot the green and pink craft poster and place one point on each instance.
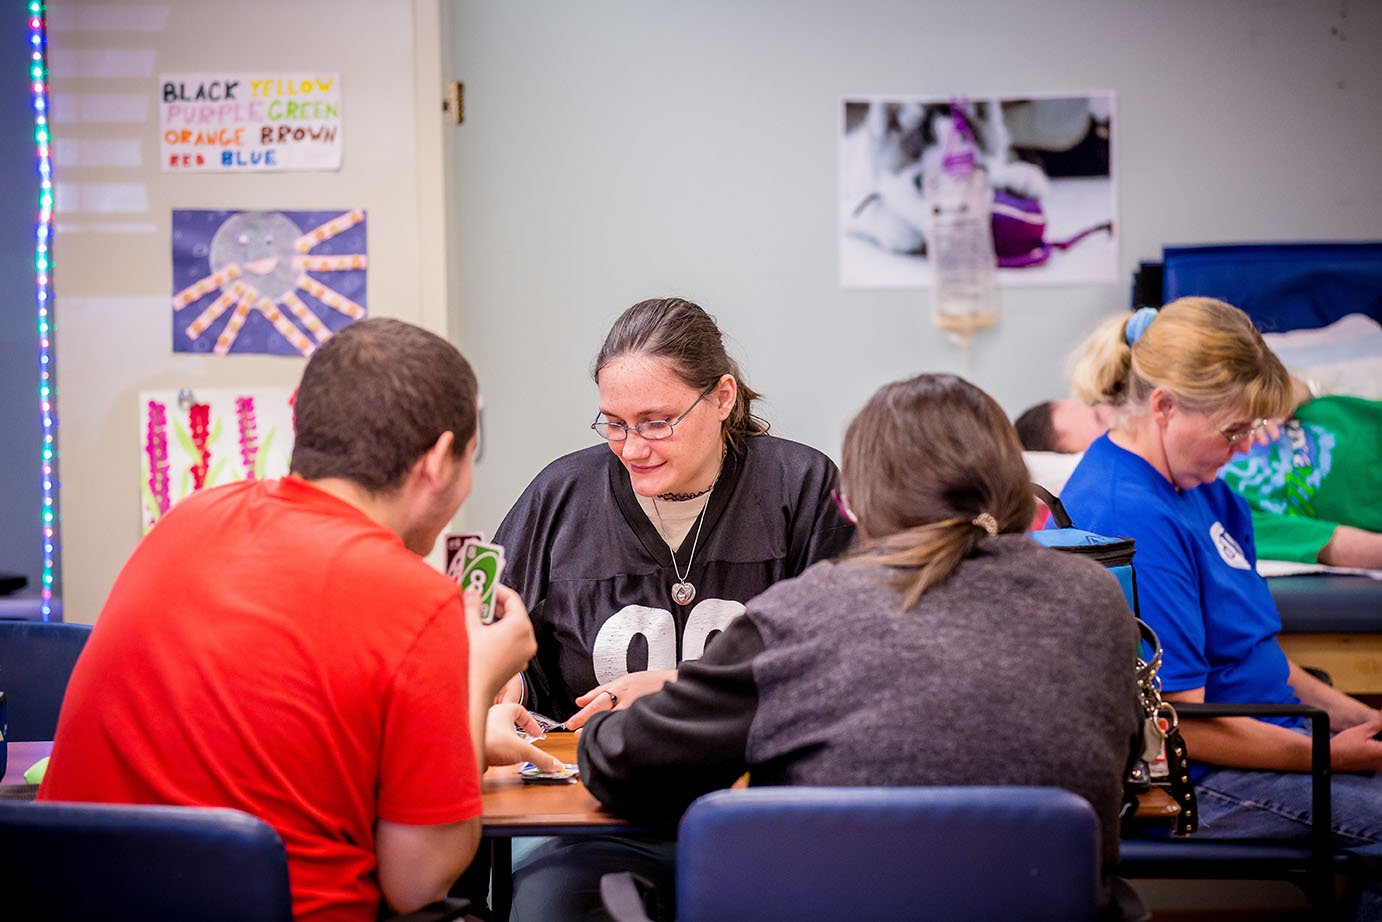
(192, 441)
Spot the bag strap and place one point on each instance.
(1147, 669)
(1182, 788)
(1058, 513)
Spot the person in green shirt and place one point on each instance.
(1316, 488)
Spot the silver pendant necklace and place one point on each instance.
(682, 591)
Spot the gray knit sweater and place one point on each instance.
(1018, 669)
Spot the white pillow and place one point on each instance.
(1344, 357)
(1051, 469)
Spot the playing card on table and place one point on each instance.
(480, 567)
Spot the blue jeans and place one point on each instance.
(558, 879)
(1242, 804)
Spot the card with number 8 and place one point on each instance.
(480, 570)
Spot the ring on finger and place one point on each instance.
(613, 699)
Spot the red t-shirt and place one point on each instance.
(270, 648)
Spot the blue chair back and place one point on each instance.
(36, 660)
(830, 853)
(62, 861)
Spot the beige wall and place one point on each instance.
(112, 267)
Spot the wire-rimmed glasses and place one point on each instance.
(652, 430)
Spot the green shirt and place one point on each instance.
(1324, 470)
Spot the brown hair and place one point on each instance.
(921, 461)
(681, 332)
(1035, 428)
(374, 398)
(1204, 352)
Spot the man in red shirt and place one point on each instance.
(280, 647)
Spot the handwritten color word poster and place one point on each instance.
(250, 122)
(207, 438)
(265, 282)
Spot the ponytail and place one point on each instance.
(1100, 366)
(932, 467)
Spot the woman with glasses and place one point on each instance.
(634, 553)
(1191, 385)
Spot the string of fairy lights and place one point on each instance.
(43, 236)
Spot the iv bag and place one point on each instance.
(959, 247)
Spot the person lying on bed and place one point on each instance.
(1313, 480)
(1191, 385)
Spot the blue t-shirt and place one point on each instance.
(1197, 582)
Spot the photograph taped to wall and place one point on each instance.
(194, 440)
(1049, 162)
(266, 282)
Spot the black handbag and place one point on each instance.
(1162, 761)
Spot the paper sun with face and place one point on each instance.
(247, 282)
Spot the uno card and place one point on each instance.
(455, 545)
(531, 774)
(480, 566)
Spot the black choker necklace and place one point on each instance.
(683, 497)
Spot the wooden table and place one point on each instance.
(513, 808)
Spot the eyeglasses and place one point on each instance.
(1238, 433)
(843, 506)
(653, 430)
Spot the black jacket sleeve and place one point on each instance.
(818, 531)
(649, 762)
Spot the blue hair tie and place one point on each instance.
(1137, 324)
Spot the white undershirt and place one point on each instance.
(677, 518)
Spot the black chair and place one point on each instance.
(36, 660)
(1311, 865)
(772, 854)
(68, 862)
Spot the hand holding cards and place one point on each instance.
(473, 564)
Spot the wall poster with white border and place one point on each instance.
(193, 440)
(1049, 161)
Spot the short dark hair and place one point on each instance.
(682, 332)
(922, 460)
(374, 398)
(1035, 429)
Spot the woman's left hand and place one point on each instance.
(618, 694)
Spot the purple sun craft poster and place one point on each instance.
(266, 282)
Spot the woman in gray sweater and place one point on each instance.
(950, 649)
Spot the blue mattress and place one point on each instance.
(1282, 286)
